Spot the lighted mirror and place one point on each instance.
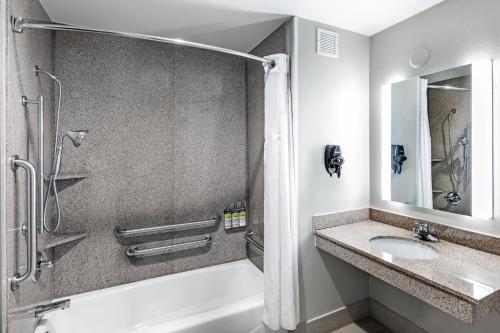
(441, 141)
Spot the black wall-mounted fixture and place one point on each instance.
(333, 160)
(398, 157)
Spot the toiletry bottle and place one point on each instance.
(235, 216)
(243, 215)
(228, 218)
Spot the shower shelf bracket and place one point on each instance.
(69, 176)
(57, 240)
(124, 232)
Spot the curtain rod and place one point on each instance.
(431, 86)
(19, 24)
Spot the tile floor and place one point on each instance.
(368, 325)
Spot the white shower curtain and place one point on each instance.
(424, 164)
(281, 298)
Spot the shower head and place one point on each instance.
(452, 111)
(76, 136)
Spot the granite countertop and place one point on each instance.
(465, 272)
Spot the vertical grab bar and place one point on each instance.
(31, 230)
(40, 159)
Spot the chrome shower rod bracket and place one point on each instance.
(25, 101)
(19, 24)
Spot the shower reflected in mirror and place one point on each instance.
(431, 116)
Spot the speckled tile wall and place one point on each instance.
(274, 43)
(23, 52)
(167, 144)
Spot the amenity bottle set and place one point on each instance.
(235, 215)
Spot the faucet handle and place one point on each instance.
(422, 232)
(44, 265)
(41, 265)
(421, 225)
(421, 229)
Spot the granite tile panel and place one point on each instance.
(329, 220)
(167, 144)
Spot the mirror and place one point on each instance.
(439, 140)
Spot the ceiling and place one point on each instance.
(235, 24)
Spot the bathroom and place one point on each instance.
(145, 185)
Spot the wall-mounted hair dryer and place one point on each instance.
(333, 160)
(398, 157)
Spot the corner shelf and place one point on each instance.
(437, 191)
(66, 180)
(57, 240)
(437, 160)
(70, 176)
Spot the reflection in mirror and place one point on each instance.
(432, 142)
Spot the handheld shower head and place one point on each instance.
(76, 136)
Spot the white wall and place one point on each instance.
(457, 32)
(331, 101)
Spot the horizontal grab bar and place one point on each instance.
(123, 232)
(249, 238)
(135, 251)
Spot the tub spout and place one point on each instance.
(43, 309)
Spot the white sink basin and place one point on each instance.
(402, 248)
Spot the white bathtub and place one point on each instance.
(226, 298)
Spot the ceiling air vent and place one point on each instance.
(327, 43)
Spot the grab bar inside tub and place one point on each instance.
(123, 232)
(30, 228)
(249, 238)
(139, 251)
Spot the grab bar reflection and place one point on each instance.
(30, 227)
(249, 238)
(123, 232)
(135, 251)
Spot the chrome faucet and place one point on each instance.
(421, 231)
(43, 309)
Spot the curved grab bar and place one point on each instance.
(31, 231)
(249, 238)
(135, 251)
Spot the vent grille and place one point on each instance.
(327, 43)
